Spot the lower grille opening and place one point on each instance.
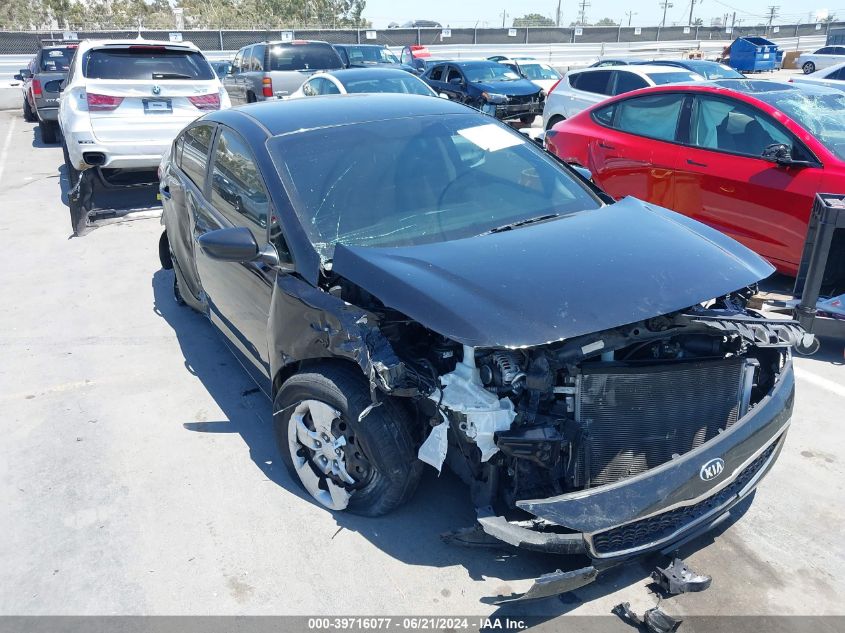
(637, 418)
(640, 534)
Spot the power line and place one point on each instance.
(582, 11)
(773, 13)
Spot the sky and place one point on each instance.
(466, 13)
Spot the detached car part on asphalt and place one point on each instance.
(412, 280)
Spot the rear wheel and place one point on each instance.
(528, 119)
(808, 68)
(28, 114)
(250, 97)
(72, 172)
(48, 131)
(368, 467)
(554, 121)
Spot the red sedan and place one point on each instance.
(745, 157)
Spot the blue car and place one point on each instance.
(487, 86)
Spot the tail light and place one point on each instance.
(552, 89)
(36, 88)
(206, 102)
(267, 87)
(102, 103)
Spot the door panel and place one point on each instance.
(722, 181)
(238, 294)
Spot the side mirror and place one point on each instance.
(456, 81)
(443, 95)
(229, 245)
(18, 77)
(585, 173)
(781, 154)
(25, 73)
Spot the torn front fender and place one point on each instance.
(307, 323)
(553, 584)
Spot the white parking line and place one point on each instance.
(5, 151)
(819, 381)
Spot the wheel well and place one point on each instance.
(557, 118)
(311, 364)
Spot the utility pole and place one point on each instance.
(630, 14)
(665, 4)
(582, 13)
(504, 15)
(557, 14)
(691, 7)
(733, 21)
(773, 13)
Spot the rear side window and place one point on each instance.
(652, 116)
(605, 115)
(839, 74)
(258, 52)
(827, 50)
(437, 73)
(145, 62)
(597, 81)
(195, 148)
(237, 190)
(679, 76)
(626, 82)
(56, 59)
(303, 57)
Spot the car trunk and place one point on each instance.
(155, 115)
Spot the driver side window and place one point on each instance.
(236, 63)
(454, 73)
(730, 126)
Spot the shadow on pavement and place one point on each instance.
(411, 534)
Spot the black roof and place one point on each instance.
(369, 73)
(291, 115)
(475, 63)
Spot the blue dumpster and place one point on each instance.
(755, 54)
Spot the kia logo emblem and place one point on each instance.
(712, 469)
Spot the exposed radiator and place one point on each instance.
(636, 418)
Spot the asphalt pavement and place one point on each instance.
(139, 475)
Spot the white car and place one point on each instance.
(581, 89)
(822, 58)
(124, 101)
(537, 72)
(832, 77)
(367, 80)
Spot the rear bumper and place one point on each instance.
(47, 113)
(118, 155)
(667, 504)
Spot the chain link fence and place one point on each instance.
(27, 42)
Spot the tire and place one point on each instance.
(164, 255)
(528, 119)
(48, 131)
(72, 172)
(250, 98)
(808, 68)
(28, 114)
(385, 468)
(554, 121)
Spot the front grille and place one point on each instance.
(522, 100)
(642, 533)
(636, 418)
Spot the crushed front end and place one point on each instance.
(616, 443)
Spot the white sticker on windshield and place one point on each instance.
(491, 137)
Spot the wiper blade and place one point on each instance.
(515, 225)
(171, 76)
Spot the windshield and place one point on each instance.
(680, 76)
(539, 71)
(821, 114)
(370, 55)
(145, 62)
(56, 59)
(715, 71)
(304, 57)
(419, 180)
(492, 72)
(405, 85)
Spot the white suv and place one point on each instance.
(123, 102)
(581, 89)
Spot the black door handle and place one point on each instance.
(605, 145)
(165, 191)
(696, 163)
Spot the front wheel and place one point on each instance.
(809, 68)
(28, 114)
(368, 467)
(528, 119)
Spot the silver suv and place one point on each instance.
(42, 80)
(274, 70)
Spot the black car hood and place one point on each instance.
(517, 88)
(582, 273)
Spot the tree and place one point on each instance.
(533, 19)
(607, 22)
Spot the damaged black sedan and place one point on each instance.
(411, 282)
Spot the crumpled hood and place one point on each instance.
(516, 88)
(582, 273)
